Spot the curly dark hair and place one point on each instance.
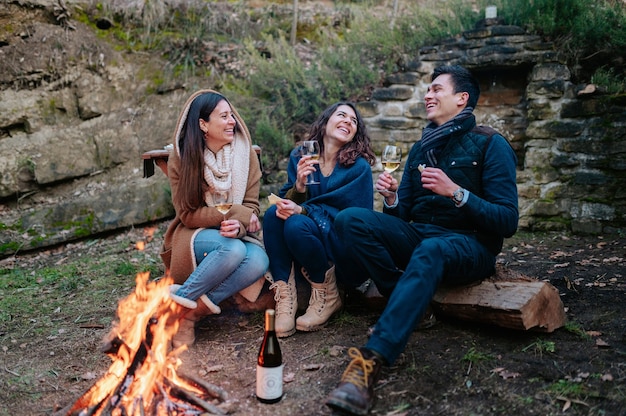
(360, 145)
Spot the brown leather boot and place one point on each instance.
(186, 334)
(325, 301)
(286, 297)
(355, 392)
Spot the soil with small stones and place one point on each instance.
(452, 368)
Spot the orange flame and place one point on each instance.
(147, 320)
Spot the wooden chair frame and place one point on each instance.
(159, 157)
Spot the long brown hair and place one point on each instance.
(360, 145)
(192, 145)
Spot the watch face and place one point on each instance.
(458, 195)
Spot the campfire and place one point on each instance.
(143, 378)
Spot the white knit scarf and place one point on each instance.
(227, 170)
(217, 168)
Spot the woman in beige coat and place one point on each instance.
(209, 255)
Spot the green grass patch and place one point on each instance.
(541, 346)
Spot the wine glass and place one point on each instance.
(311, 148)
(392, 155)
(223, 201)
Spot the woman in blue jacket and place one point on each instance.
(298, 230)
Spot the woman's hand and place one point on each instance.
(306, 166)
(229, 228)
(387, 186)
(285, 208)
(255, 224)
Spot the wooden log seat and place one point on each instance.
(508, 299)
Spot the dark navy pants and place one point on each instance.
(407, 261)
(295, 240)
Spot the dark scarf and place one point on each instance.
(434, 137)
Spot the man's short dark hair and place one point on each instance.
(463, 81)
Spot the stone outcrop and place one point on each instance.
(75, 116)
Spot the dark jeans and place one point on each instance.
(407, 261)
(296, 240)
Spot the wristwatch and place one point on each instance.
(458, 196)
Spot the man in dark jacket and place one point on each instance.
(444, 225)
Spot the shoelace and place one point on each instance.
(282, 307)
(317, 295)
(358, 370)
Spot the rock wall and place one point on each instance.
(570, 140)
(75, 116)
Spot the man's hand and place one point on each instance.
(436, 180)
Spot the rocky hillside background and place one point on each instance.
(75, 116)
(77, 112)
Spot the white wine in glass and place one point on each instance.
(311, 148)
(223, 202)
(391, 158)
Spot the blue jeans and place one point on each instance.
(296, 239)
(407, 261)
(224, 266)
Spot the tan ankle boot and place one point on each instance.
(286, 297)
(324, 302)
(186, 334)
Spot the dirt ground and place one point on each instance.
(453, 368)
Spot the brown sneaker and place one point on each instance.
(355, 393)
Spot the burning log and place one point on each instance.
(143, 378)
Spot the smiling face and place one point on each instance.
(220, 128)
(342, 125)
(442, 103)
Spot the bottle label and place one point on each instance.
(269, 382)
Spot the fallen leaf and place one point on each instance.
(602, 344)
(289, 377)
(594, 333)
(558, 254)
(312, 367)
(613, 260)
(566, 406)
(336, 350)
(504, 373)
(214, 368)
(607, 377)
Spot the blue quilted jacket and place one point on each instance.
(480, 160)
